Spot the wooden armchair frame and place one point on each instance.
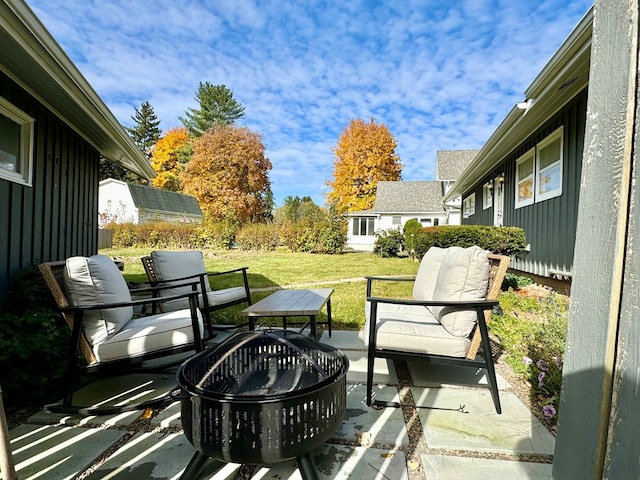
(52, 272)
(479, 351)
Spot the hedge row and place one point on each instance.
(322, 235)
(502, 240)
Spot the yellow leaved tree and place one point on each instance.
(169, 155)
(228, 174)
(365, 154)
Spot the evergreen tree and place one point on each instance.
(146, 131)
(216, 107)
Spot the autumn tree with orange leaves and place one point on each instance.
(169, 156)
(365, 155)
(228, 174)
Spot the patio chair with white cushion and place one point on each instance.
(445, 322)
(97, 305)
(165, 267)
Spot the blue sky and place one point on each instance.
(441, 74)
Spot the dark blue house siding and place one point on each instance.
(550, 225)
(56, 217)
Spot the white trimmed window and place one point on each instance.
(487, 195)
(524, 179)
(549, 167)
(396, 220)
(363, 226)
(469, 205)
(539, 171)
(16, 144)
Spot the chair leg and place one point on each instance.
(370, 360)
(491, 371)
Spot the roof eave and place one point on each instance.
(564, 76)
(32, 58)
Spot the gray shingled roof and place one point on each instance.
(451, 163)
(163, 200)
(409, 197)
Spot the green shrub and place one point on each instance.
(515, 282)
(258, 237)
(34, 341)
(412, 228)
(388, 243)
(503, 240)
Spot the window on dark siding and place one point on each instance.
(16, 143)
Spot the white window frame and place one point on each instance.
(396, 220)
(529, 155)
(25, 162)
(469, 205)
(369, 222)
(487, 195)
(557, 134)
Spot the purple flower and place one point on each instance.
(549, 412)
(541, 379)
(527, 360)
(542, 365)
(559, 360)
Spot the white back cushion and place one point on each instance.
(427, 275)
(96, 280)
(169, 265)
(463, 275)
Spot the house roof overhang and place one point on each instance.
(32, 58)
(564, 76)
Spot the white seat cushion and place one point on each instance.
(411, 328)
(214, 297)
(148, 334)
(169, 265)
(96, 280)
(463, 275)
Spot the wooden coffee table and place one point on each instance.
(293, 303)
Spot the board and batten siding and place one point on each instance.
(550, 225)
(55, 217)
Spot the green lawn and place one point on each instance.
(343, 273)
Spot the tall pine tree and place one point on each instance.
(216, 107)
(146, 131)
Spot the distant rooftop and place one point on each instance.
(409, 197)
(163, 200)
(451, 163)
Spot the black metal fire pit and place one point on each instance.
(262, 397)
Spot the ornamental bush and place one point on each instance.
(502, 240)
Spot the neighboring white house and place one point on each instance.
(122, 202)
(398, 202)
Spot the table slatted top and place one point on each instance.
(290, 303)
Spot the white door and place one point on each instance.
(498, 200)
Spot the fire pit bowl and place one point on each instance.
(262, 397)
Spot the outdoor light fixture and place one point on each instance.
(526, 105)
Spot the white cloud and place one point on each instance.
(439, 74)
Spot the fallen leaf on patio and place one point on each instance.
(148, 413)
(387, 455)
(364, 439)
(413, 465)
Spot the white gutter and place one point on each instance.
(564, 76)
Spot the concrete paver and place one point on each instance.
(441, 467)
(121, 390)
(453, 439)
(515, 431)
(58, 452)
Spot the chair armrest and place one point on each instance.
(241, 269)
(370, 280)
(132, 303)
(461, 304)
